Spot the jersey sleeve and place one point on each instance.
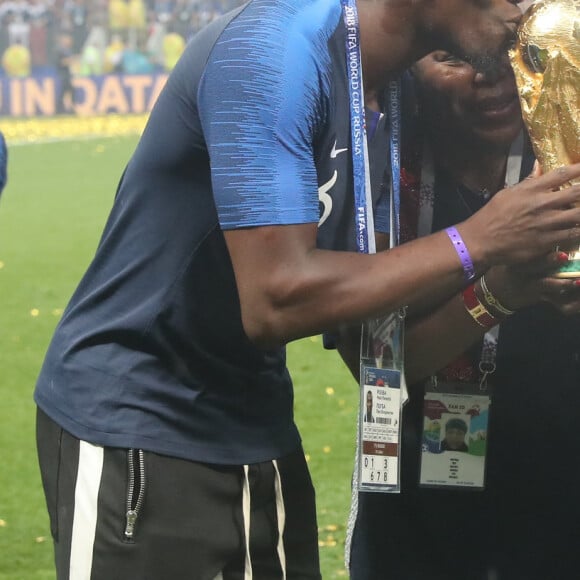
(261, 99)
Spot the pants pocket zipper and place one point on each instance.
(135, 489)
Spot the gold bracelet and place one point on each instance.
(491, 300)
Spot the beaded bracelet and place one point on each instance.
(477, 310)
(462, 252)
(491, 300)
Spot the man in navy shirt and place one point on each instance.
(165, 430)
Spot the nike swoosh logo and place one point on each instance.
(334, 151)
(325, 198)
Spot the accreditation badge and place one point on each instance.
(382, 393)
(380, 423)
(454, 439)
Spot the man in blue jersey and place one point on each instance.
(165, 431)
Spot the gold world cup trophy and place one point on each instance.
(546, 63)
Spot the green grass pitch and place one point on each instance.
(51, 216)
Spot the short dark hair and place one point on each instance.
(456, 424)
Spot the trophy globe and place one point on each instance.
(546, 63)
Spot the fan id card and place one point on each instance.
(380, 423)
(454, 439)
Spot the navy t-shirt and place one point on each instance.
(251, 129)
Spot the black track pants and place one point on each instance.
(119, 514)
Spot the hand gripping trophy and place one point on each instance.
(546, 63)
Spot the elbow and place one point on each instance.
(271, 313)
(263, 328)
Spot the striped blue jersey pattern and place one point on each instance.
(270, 67)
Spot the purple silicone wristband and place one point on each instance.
(461, 249)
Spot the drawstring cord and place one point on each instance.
(281, 517)
(246, 513)
(246, 516)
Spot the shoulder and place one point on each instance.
(287, 40)
(277, 62)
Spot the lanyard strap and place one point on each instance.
(364, 221)
(395, 153)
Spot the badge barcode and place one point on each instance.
(384, 420)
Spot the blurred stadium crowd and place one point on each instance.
(93, 37)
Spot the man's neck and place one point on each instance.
(389, 42)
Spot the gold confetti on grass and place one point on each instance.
(40, 539)
(326, 449)
(3, 523)
(1, 264)
(329, 542)
(34, 312)
(329, 391)
(45, 129)
(307, 457)
(56, 311)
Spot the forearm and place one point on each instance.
(298, 295)
(431, 341)
(289, 289)
(436, 339)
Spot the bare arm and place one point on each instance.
(289, 289)
(436, 339)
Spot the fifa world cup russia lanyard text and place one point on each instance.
(364, 220)
(395, 151)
